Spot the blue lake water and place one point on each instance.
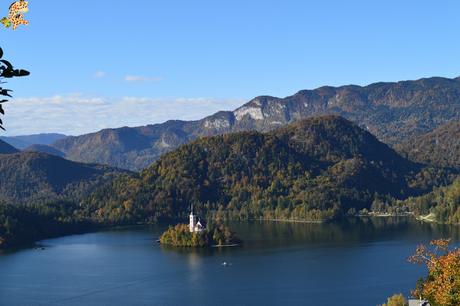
(353, 262)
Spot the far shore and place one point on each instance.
(225, 245)
(430, 218)
(292, 220)
(385, 215)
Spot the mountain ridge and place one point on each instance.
(6, 148)
(23, 141)
(393, 111)
(44, 149)
(33, 176)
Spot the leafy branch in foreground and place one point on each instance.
(442, 285)
(7, 71)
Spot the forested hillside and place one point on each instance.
(316, 169)
(30, 177)
(442, 205)
(440, 147)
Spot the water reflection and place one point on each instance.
(279, 263)
(349, 231)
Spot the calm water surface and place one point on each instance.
(354, 262)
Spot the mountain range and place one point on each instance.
(6, 148)
(24, 141)
(393, 112)
(313, 169)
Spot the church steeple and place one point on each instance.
(195, 225)
(192, 218)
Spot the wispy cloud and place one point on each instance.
(77, 114)
(138, 78)
(99, 74)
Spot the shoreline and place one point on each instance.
(32, 244)
(226, 245)
(384, 215)
(427, 218)
(292, 220)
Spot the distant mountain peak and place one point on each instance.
(392, 111)
(23, 141)
(6, 148)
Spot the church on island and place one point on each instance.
(195, 226)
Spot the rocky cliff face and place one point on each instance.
(393, 112)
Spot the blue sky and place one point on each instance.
(167, 55)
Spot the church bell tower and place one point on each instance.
(192, 220)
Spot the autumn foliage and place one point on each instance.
(396, 300)
(442, 285)
(214, 235)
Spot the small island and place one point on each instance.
(197, 235)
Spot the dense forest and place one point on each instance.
(440, 147)
(30, 177)
(315, 169)
(213, 235)
(22, 224)
(40, 195)
(443, 204)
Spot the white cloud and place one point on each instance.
(76, 114)
(138, 78)
(99, 74)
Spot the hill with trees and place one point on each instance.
(24, 224)
(441, 205)
(440, 147)
(6, 148)
(315, 169)
(34, 177)
(394, 112)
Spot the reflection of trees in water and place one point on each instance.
(351, 230)
(191, 252)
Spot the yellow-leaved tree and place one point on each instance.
(442, 285)
(396, 300)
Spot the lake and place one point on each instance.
(353, 262)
